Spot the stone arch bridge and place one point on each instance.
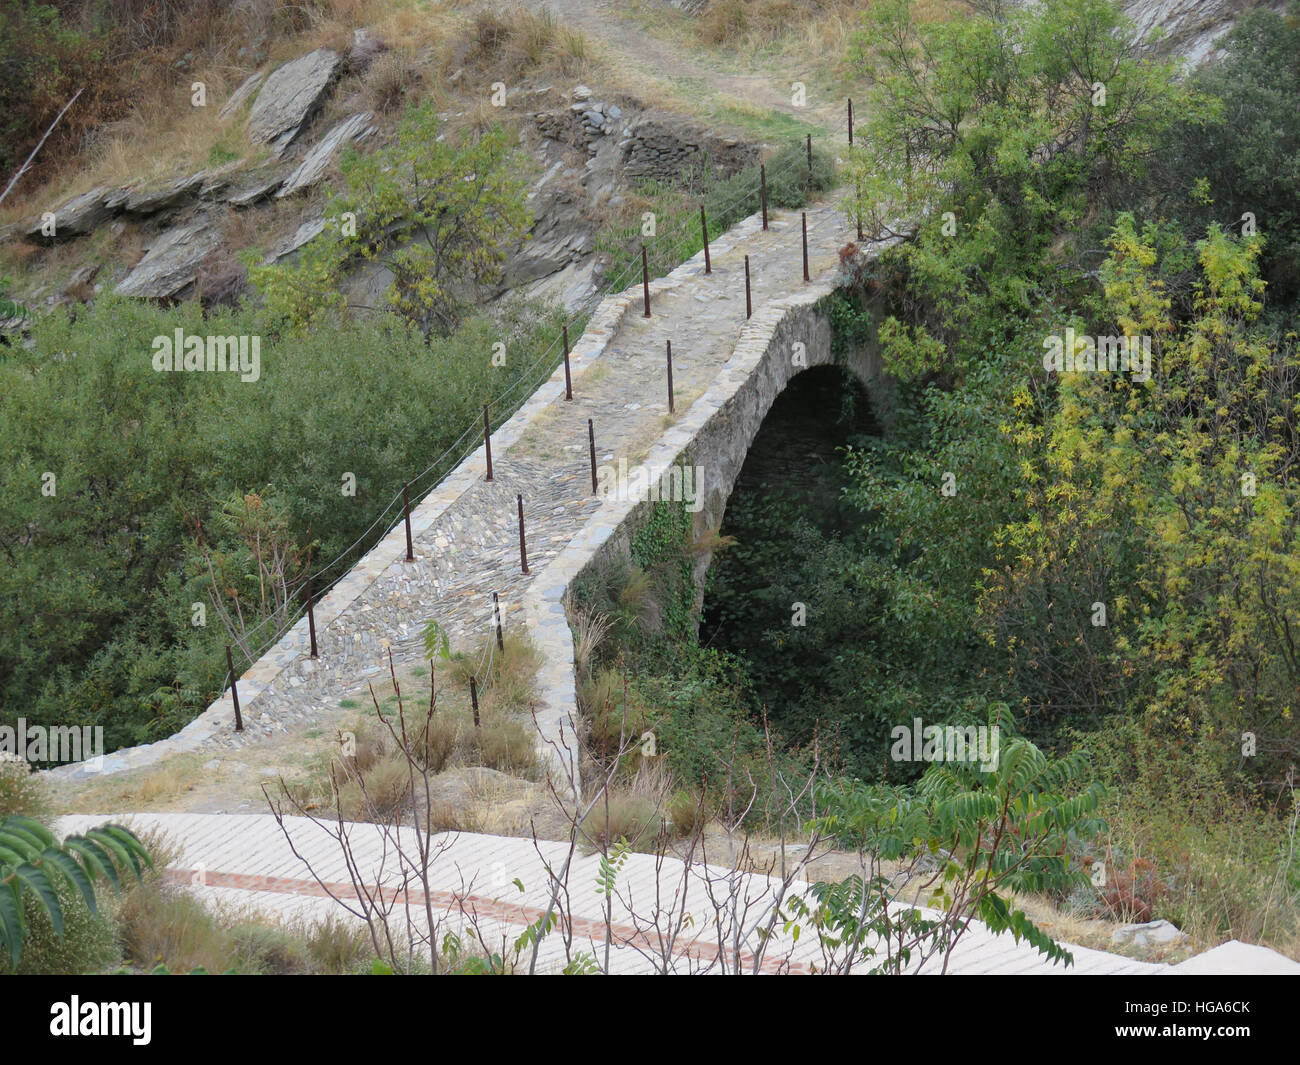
(727, 370)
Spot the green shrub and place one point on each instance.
(336, 945)
(623, 816)
(163, 924)
(268, 949)
(509, 747)
(21, 790)
(87, 944)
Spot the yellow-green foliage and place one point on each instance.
(1191, 467)
(440, 215)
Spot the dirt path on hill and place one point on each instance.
(640, 58)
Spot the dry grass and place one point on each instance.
(335, 944)
(142, 789)
(796, 28)
(377, 793)
(159, 922)
(392, 80)
(640, 811)
(508, 747)
(510, 43)
(622, 815)
(372, 774)
(156, 132)
(589, 632)
(505, 675)
(22, 791)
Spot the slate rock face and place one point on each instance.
(290, 96)
(309, 230)
(253, 188)
(240, 95)
(1191, 28)
(172, 195)
(172, 262)
(312, 168)
(77, 217)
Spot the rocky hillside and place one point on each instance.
(1192, 28)
(180, 237)
(171, 232)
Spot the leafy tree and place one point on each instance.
(440, 216)
(1179, 495)
(967, 839)
(1240, 165)
(1004, 138)
(252, 582)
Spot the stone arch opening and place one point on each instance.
(792, 477)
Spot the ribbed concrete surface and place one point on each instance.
(660, 909)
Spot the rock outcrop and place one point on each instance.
(155, 199)
(240, 95)
(314, 164)
(1192, 28)
(75, 218)
(172, 263)
(290, 97)
(309, 230)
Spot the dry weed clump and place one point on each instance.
(519, 42)
(418, 733)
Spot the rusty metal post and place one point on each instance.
(406, 510)
(850, 121)
(670, 376)
(496, 610)
(523, 550)
(810, 154)
(645, 281)
(473, 698)
(591, 445)
(704, 228)
(311, 619)
(804, 214)
(568, 382)
(749, 304)
(762, 191)
(234, 690)
(487, 442)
